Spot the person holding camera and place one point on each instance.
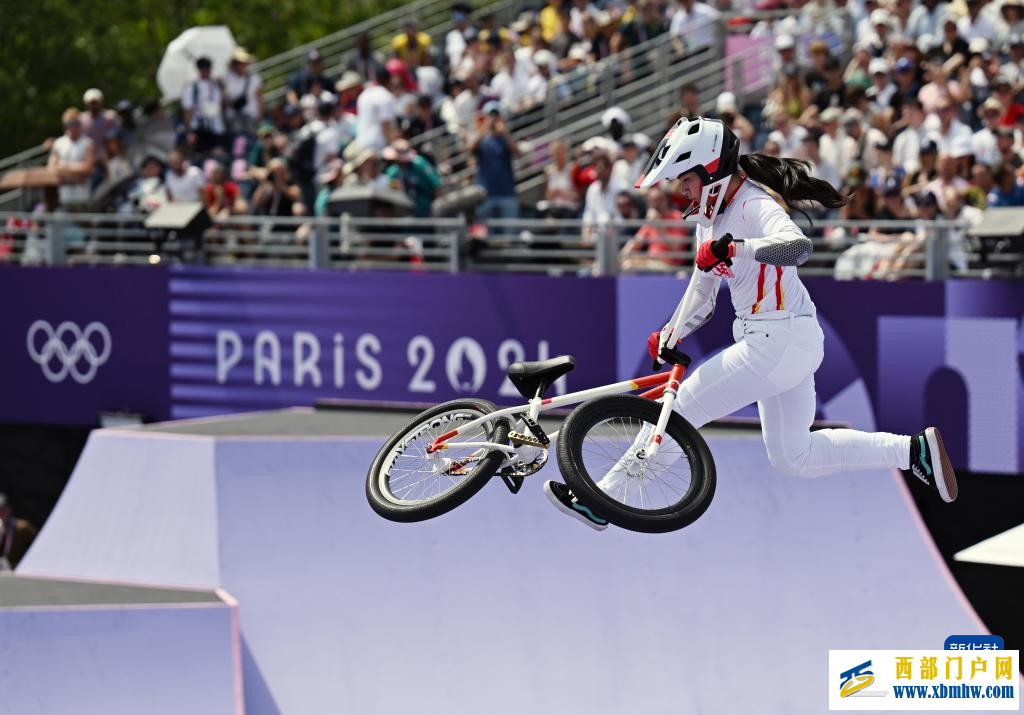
(494, 149)
(244, 91)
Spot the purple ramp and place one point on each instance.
(116, 651)
(505, 606)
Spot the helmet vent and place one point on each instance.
(694, 128)
(683, 157)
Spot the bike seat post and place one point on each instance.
(535, 404)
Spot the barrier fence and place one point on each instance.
(931, 250)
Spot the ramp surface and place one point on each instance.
(93, 648)
(504, 605)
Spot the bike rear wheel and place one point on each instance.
(406, 484)
(601, 456)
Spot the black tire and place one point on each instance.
(690, 506)
(394, 509)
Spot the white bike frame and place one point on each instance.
(664, 387)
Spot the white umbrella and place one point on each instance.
(178, 66)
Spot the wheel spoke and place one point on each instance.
(608, 450)
(425, 477)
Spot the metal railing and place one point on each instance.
(843, 249)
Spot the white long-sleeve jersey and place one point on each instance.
(763, 276)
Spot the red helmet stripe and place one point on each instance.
(712, 167)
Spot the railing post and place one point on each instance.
(739, 81)
(320, 245)
(551, 107)
(607, 265)
(344, 234)
(56, 242)
(661, 55)
(607, 83)
(936, 256)
(457, 239)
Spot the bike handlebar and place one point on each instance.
(672, 356)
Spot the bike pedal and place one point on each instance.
(519, 440)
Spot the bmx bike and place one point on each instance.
(630, 458)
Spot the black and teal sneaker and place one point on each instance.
(562, 497)
(930, 463)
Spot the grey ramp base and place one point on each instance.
(100, 648)
(504, 605)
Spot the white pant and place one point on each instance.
(772, 363)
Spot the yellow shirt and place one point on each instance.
(550, 24)
(411, 55)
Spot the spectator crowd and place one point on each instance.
(913, 108)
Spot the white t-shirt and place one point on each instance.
(957, 130)
(234, 86)
(187, 187)
(758, 288)
(454, 46)
(697, 28)
(982, 28)
(72, 152)
(600, 204)
(983, 145)
(205, 99)
(328, 143)
(625, 173)
(375, 106)
(906, 149)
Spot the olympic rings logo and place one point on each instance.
(78, 353)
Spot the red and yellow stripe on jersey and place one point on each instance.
(780, 295)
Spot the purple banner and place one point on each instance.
(898, 357)
(78, 341)
(252, 339)
(84, 340)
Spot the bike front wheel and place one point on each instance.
(602, 455)
(405, 483)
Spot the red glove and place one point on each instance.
(712, 253)
(653, 341)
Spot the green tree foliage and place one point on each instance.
(51, 51)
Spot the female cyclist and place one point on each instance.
(746, 237)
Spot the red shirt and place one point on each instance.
(220, 196)
(664, 240)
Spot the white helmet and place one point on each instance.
(704, 146)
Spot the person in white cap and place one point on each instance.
(785, 52)
(98, 123)
(728, 111)
(744, 236)
(881, 27)
(243, 88)
(73, 160)
(882, 89)
(616, 121)
(983, 142)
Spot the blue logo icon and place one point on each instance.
(853, 682)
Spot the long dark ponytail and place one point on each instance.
(790, 179)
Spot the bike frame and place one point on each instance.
(664, 386)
